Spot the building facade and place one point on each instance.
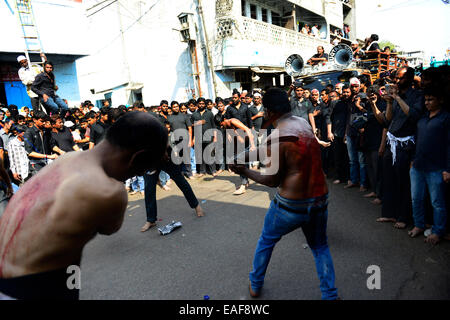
(182, 49)
(61, 30)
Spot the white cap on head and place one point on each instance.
(257, 94)
(22, 113)
(355, 81)
(68, 124)
(20, 58)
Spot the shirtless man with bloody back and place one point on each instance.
(302, 197)
(52, 217)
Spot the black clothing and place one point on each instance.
(355, 113)
(339, 118)
(433, 143)
(64, 139)
(243, 114)
(34, 141)
(179, 121)
(373, 130)
(374, 46)
(396, 183)
(322, 120)
(49, 285)
(257, 123)
(44, 84)
(209, 121)
(317, 55)
(301, 108)
(340, 157)
(403, 125)
(98, 132)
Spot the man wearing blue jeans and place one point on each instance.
(431, 166)
(44, 86)
(302, 198)
(356, 157)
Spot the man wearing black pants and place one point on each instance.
(241, 112)
(339, 122)
(405, 106)
(151, 179)
(204, 118)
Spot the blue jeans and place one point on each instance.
(163, 177)
(137, 183)
(150, 189)
(53, 105)
(193, 163)
(279, 222)
(420, 181)
(357, 163)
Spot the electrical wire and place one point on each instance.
(102, 8)
(128, 28)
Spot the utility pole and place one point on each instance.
(124, 52)
(208, 52)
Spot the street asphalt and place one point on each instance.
(213, 255)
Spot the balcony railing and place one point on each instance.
(243, 28)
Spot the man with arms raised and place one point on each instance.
(52, 217)
(301, 200)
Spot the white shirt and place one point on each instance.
(315, 31)
(27, 76)
(18, 157)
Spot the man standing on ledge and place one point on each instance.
(54, 214)
(302, 197)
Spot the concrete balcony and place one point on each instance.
(242, 42)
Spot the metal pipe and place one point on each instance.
(208, 52)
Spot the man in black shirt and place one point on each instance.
(240, 111)
(300, 106)
(431, 166)
(98, 130)
(44, 86)
(358, 108)
(339, 121)
(204, 119)
(319, 57)
(37, 151)
(405, 106)
(63, 137)
(178, 120)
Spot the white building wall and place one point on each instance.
(150, 53)
(61, 24)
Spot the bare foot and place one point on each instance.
(336, 181)
(219, 172)
(350, 185)
(199, 211)
(147, 226)
(382, 219)
(362, 189)
(433, 239)
(370, 195)
(400, 225)
(166, 188)
(169, 182)
(415, 232)
(376, 201)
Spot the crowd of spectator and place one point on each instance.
(389, 139)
